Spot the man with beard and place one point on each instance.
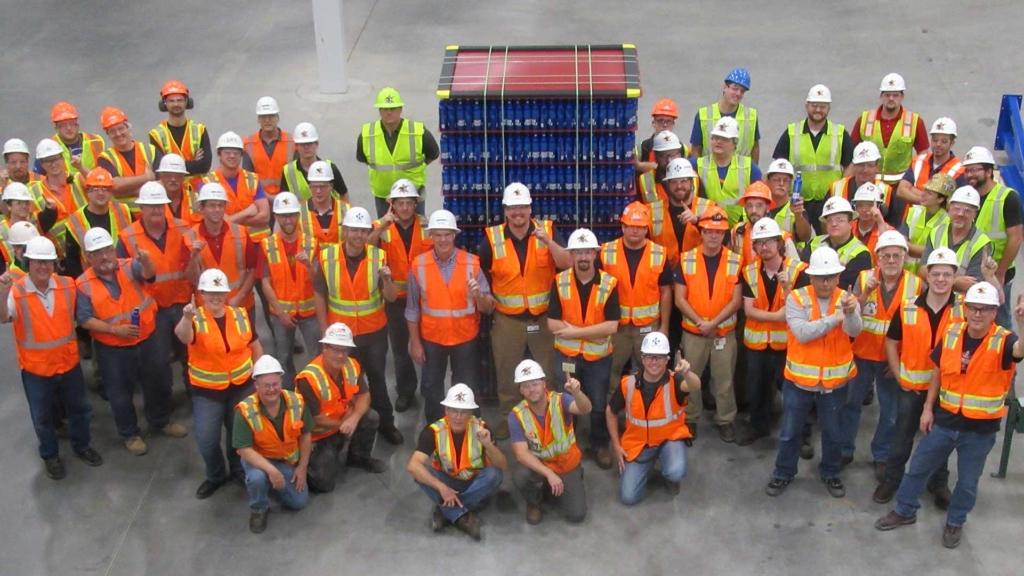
(179, 134)
(896, 131)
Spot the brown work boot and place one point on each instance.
(136, 445)
(174, 430)
(258, 521)
(951, 536)
(469, 523)
(726, 432)
(893, 520)
(884, 493)
(603, 457)
(942, 497)
(534, 514)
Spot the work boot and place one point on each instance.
(371, 465)
(776, 486)
(726, 432)
(437, 520)
(391, 434)
(501, 429)
(893, 520)
(469, 524)
(54, 468)
(879, 471)
(404, 402)
(174, 430)
(258, 521)
(806, 450)
(89, 456)
(951, 536)
(672, 487)
(869, 397)
(748, 435)
(136, 445)
(884, 493)
(835, 487)
(692, 425)
(845, 461)
(534, 514)
(207, 488)
(603, 457)
(942, 497)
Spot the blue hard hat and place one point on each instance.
(739, 76)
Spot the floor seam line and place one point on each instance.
(131, 521)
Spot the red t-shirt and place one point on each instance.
(921, 142)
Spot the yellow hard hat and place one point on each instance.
(388, 97)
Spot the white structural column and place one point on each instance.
(329, 30)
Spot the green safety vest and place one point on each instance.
(726, 194)
(897, 155)
(990, 218)
(920, 226)
(940, 237)
(746, 117)
(853, 248)
(92, 147)
(385, 166)
(297, 183)
(820, 167)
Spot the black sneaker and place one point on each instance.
(776, 486)
(89, 456)
(835, 487)
(258, 521)
(54, 468)
(391, 434)
(404, 402)
(207, 488)
(879, 471)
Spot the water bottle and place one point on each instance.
(136, 317)
(798, 185)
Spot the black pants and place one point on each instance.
(465, 361)
(372, 351)
(330, 454)
(764, 379)
(908, 419)
(398, 332)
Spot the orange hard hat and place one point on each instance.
(110, 117)
(636, 214)
(62, 111)
(173, 87)
(99, 178)
(665, 107)
(758, 190)
(714, 218)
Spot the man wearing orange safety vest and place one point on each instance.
(129, 161)
(896, 131)
(939, 159)
(766, 282)
(80, 150)
(447, 291)
(66, 193)
(674, 222)
(324, 210)
(171, 174)
(645, 286)
(975, 370)
(247, 204)
(268, 149)
(402, 235)
(334, 388)
(544, 443)
(456, 462)
(351, 283)
(179, 134)
(665, 147)
(822, 319)
(583, 314)
(881, 292)
(226, 246)
(520, 258)
(757, 202)
(16, 164)
(41, 305)
(707, 291)
(654, 403)
(272, 432)
(100, 211)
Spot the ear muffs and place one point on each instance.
(161, 106)
(189, 104)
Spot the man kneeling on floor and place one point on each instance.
(272, 436)
(655, 419)
(457, 463)
(544, 442)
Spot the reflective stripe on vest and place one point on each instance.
(726, 193)
(746, 118)
(563, 436)
(332, 261)
(666, 399)
(565, 284)
(819, 167)
(444, 455)
(468, 310)
(65, 285)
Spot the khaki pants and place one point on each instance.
(626, 345)
(510, 337)
(699, 350)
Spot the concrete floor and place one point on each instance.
(138, 515)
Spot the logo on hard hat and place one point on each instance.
(761, 226)
(403, 187)
(527, 370)
(459, 396)
(359, 216)
(981, 290)
(969, 156)
(715, 218)
(304, 133)
(389, 99)
(585, 237)
(863, 153)
(940, 125)
(285, 201)
(820, 92)
(667, 138)
(722, 125)
(830, 205)
(217, 282)
(892, 81)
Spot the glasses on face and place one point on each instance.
(890, 257)
(654, 358)
(664, 121)
(979, 310)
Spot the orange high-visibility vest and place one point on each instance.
(269, 168)
(266, 442)
(232, 258)
(844, 187)
(333, 398)
(190, 142)
(143, 155)
(118, 311)
(290, 279)
(691, 234)
(980, 393)
(448, 314)
(916, 366)
(520, 290)
(922, 167)
(356, 299)
(553, 442)
(210, 364)
(471, 453)
(639, 297)
(398, 256)
(240, 196)
(870, 343)
(664, 421)
(698, 289)
(578, 313)
(826, 362)
(758, 334)
(332, 233)
(46, 342)
(170, 286)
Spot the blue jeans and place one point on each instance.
(908, 419)
(796, 405)
(41, 392)
(121, 367)
(594, 377)
(257, 484)
(210, 414)
(284, 342)
(672, 456)
(1003, 317)
(472, 493)
(932, 453)
(869, 372)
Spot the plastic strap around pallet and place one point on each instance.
(590, 125)
(504, 142)
(486, 152)
(576, 71)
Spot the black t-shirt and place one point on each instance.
(647, 390)
(678, 227)
(633, 256)
(934, 318)
(710, 264)
(770, 285)
(73, 258)
(338, 183)
(611, 306)
(426, 444)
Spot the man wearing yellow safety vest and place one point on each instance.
(822, 319)
(665, 147)
(837, 220)
(928, 215)
(939, 159)
(818, 149)
(999, 218)
(394, 148)
(896, 131)
(790, 211)
(724, 173)
(544, 443)
(457, 464)
(129, 161)
(80, 149)
(100, 211)
(295, 173)
(729, 105)
(976, 366)
(179, 134)
(962, 235)
(351, 283)
(520, 258)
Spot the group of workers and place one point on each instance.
(877, 264)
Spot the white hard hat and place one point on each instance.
(403, 188)
(666, 140)
(172, 163)
(152, 193)
(868, 192)
(726, 127)
(824, 262)
(442, 220)
(15, 145)
(978, 155)
(892, 82)
(21, 232)
(982, 293)
(47, 148)
(357, 217)
(836, 205)
(891, 238)
(582, 239)
(305, 133)
(17, 191)
(40, 248)
(679, 168)
(655, 343)
(819, 93)
(212, 191)
(943, 255)
(516, 194)
(966, 195)
(460, 397)
(213, 280)
(942, 125)
(286, 203)
(266, 364)
(266, 106)
(866, 152)
(781, 166)
(338, 334)
(527, 371)
(97, 239)
(765, 228)
(230, 140)
(320, 171)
